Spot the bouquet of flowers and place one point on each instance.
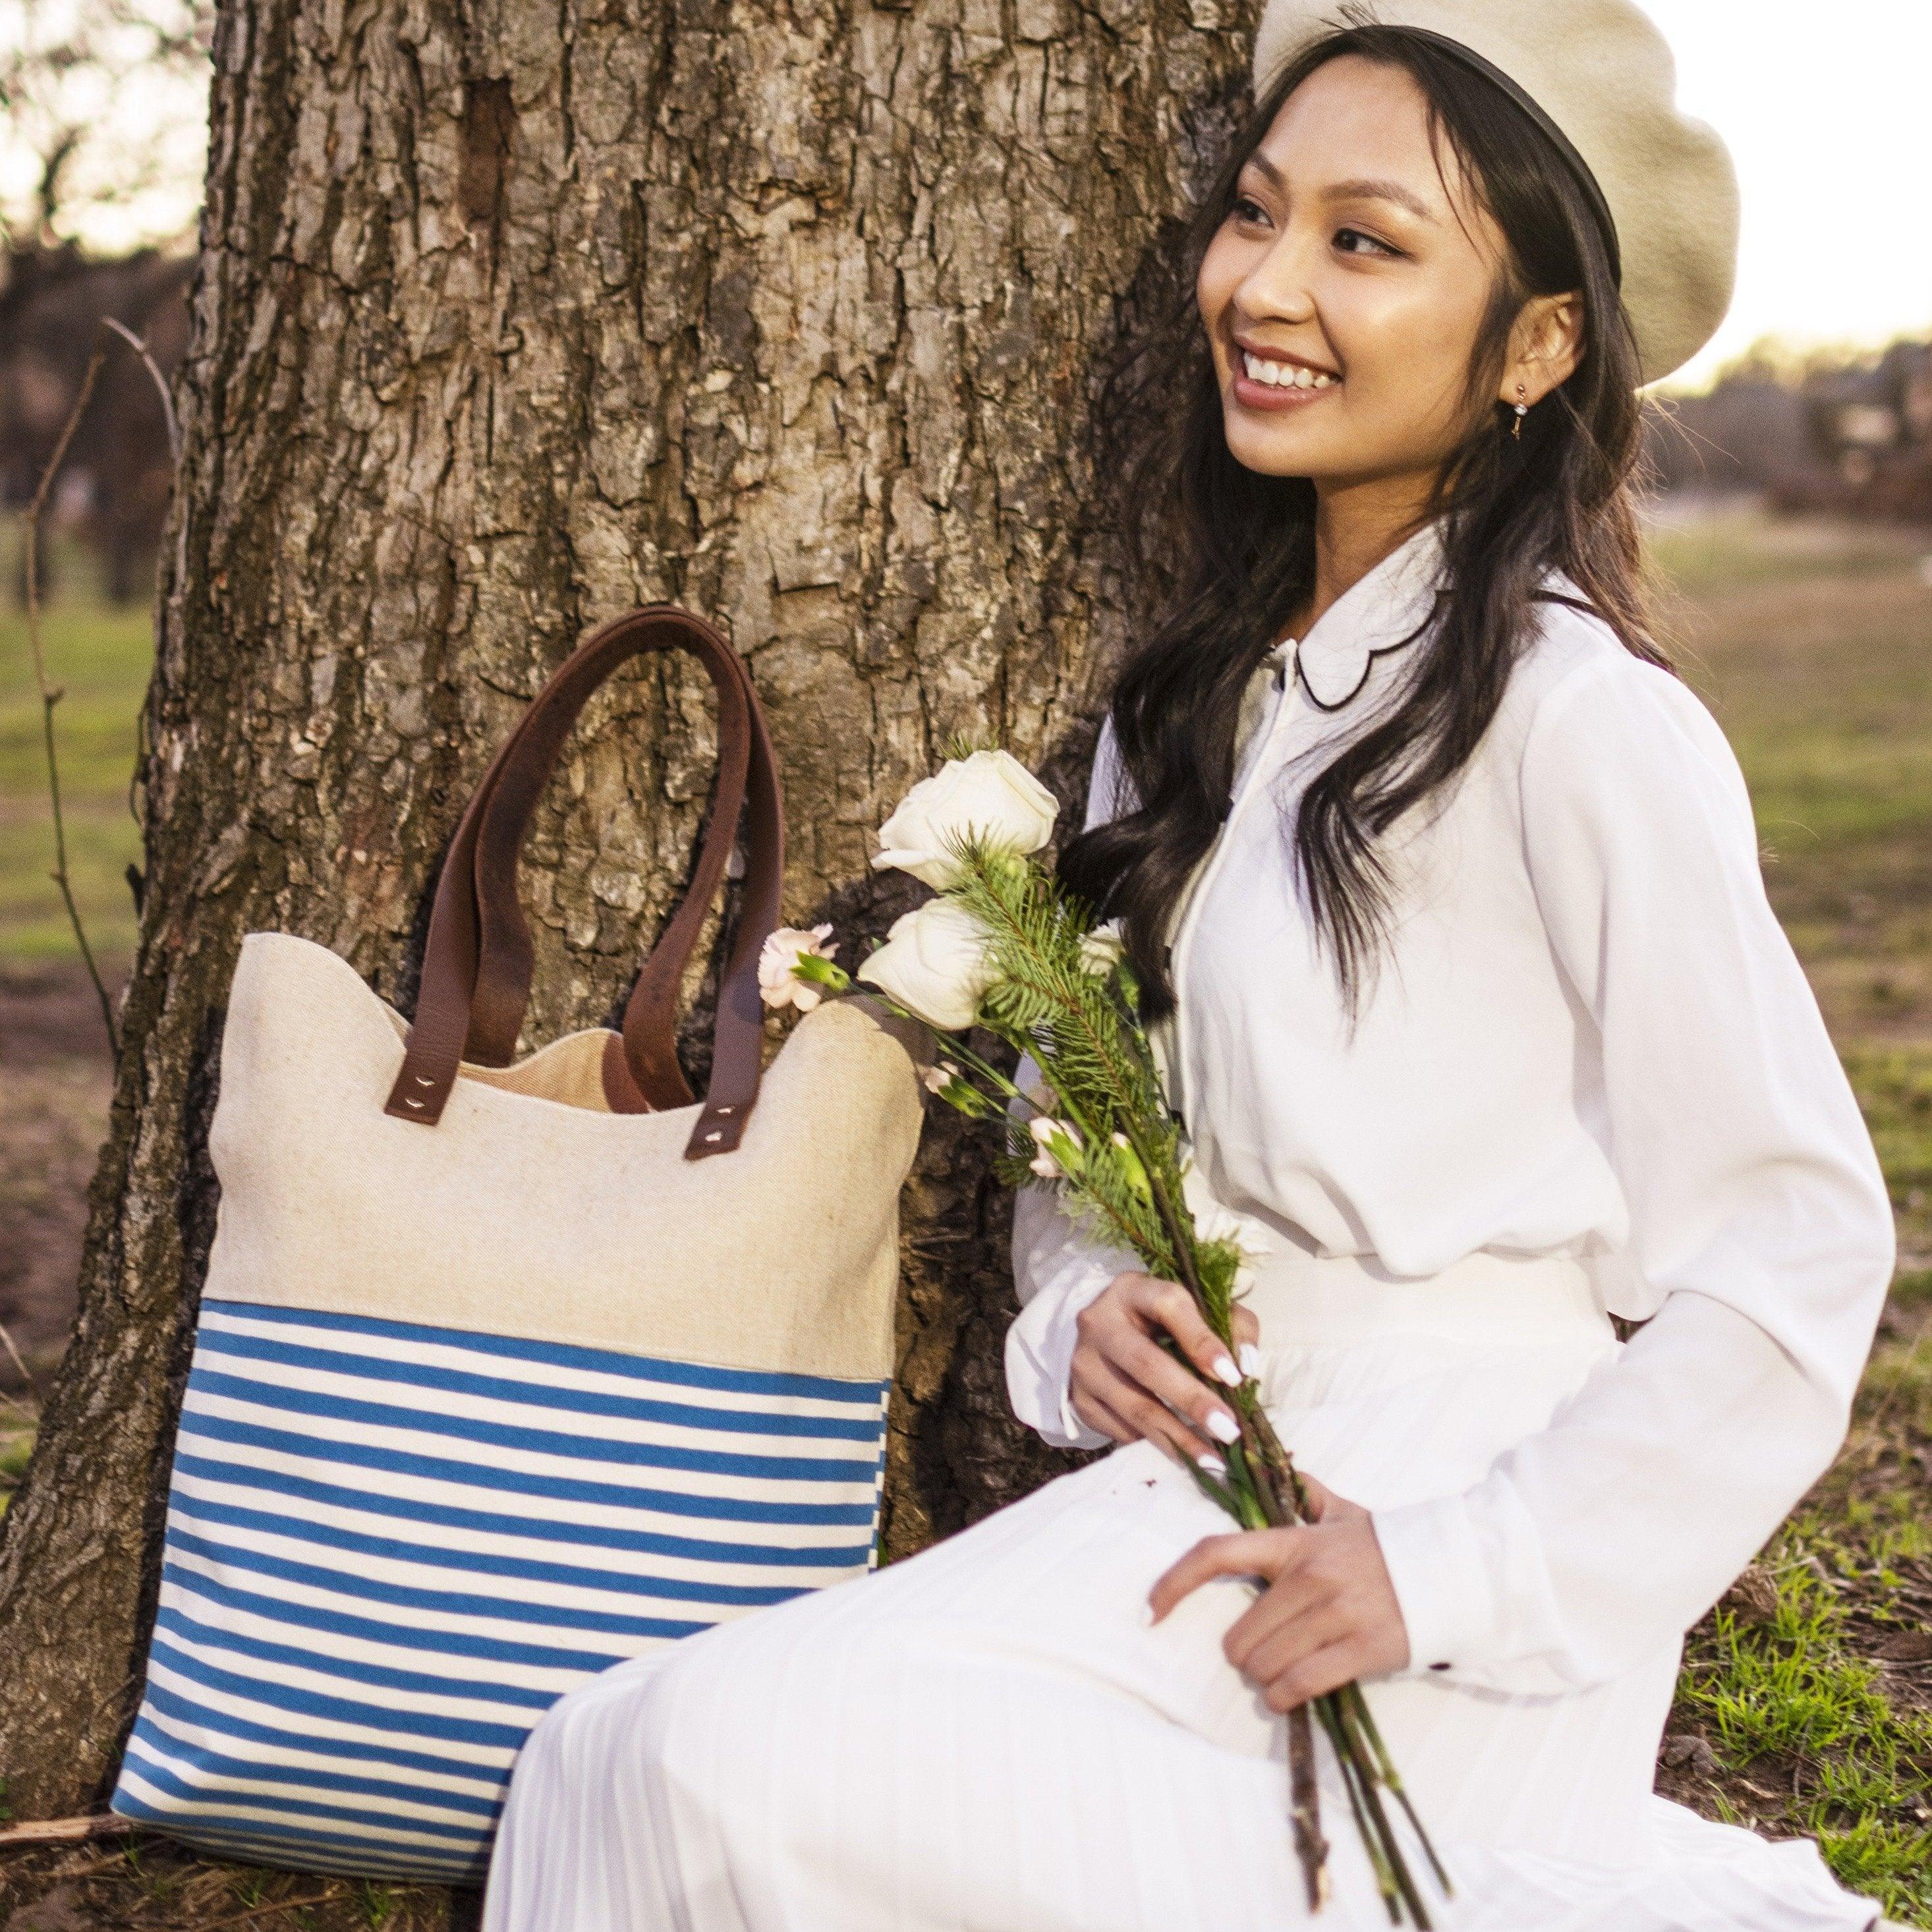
(1003, 946)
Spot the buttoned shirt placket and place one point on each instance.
(1170, 1041)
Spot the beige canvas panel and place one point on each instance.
(531, 1210)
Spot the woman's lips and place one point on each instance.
(1256, 394)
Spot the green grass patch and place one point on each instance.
(99, 655)
(1745, 548)
(1792, 1709)
(16, 1444)
(1894, 1085)
(1811, 643)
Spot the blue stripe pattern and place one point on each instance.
(391, 1547)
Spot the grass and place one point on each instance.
(1894, 1084)
(16, 1444)
(1811, 1685)
(99, 655)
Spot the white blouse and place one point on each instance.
(1591, 1036)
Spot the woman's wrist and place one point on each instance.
(1442, 1585)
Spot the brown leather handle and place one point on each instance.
(502, 976)
(477, 960)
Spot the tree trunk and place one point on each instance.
(504, 323)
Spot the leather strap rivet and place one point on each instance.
(421, 1082)
(409, 1102)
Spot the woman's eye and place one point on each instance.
(1249, 209)
(1345, 237)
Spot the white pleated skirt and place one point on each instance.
(987, 1737)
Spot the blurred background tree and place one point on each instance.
(103, 102)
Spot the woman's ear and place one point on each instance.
(1546, 345)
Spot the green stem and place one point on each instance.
(951, 1043)
(1217, 1492)
(1386, 1831)
(1385, 1765)
(1351, 1776)
(1359, 1755)
(1275, 1458)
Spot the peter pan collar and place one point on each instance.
(1382, 611)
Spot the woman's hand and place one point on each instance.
(1329, 1614)
(1123, 1383)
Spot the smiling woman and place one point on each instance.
(1318, 273)
(1395, 263)
(1460, 971)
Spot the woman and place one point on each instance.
(1445, 894)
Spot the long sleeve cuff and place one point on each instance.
(1040, 1353)
(1471, 1580)
(1442, 1586)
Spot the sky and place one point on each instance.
(1828, 113)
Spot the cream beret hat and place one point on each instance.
(1597, 75)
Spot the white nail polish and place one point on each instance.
(1146, 1613)
(1221, 1423)
(1213, 1464)
(1251, 1359)
(1224, 1367)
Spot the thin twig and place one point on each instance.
(269, 1905)
(50, 696)
(13, 1354)
(65, 1830)
(955, 1044)
(154, 368)
(1384, 1831)
(1312, 1845)
(1353, 1778)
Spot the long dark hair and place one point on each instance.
(1229, 554)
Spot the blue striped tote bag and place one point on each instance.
(509, 1369)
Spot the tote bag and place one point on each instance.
(508, 1369)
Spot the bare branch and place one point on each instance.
(50, 696)
(140, 348)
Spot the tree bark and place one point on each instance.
(506, 320)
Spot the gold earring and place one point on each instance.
(1522, 410)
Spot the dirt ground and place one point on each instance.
(53, 1113)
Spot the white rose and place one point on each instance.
(990, 794)
(1100, 951)
(937, 962)
(778, 984)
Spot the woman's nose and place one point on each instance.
(1278, 287)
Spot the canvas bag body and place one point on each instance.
(495, 1388)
